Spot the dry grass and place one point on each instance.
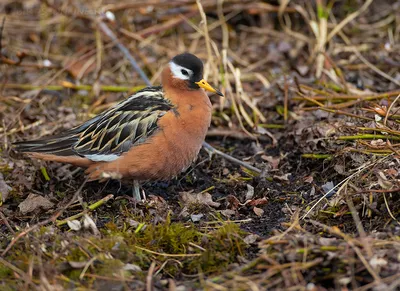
(312, 91)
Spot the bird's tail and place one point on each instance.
(61, 145)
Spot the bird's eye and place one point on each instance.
(184, 72)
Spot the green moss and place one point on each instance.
(4, 272)
(168, 237)
(208, 251)
(177, 247)
(5, 169)
(76, 254)
(108, 267)
(223, 247)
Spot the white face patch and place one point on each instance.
(180, 72)
(102, 158)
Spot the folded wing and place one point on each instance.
(108, 135)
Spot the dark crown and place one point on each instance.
(192, 63)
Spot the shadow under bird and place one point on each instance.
(154, 134)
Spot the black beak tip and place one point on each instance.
(219, 93)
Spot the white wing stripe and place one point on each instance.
(102, 158)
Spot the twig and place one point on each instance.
(368, 136)
(230, 158)
(335, 111)
(91, 207)
(354, 243)
(1, 32)
(321, 32)
(358, 171)
(317, 156)
(205, 31)
(19, 272)
(378, 191)
(358, 223)
(83, 273)
(231, 133)
(165, 25)
(66, 12)
(124, 50)
(386, 280)
(68, 85)
(365, 61)
(4, 59)
(390, 108)
(338, 27)
(167, 255)
(149, 277)
(5, 221)
(388, 209)
(285, 100)
(139, 4)
(329, 96)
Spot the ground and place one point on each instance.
(311, 100)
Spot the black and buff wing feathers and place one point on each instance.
(108, 135)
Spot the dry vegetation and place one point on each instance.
(312, 107)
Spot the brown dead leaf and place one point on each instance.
(157, 202)
(263, 131)
(225, 171)
(251, 238)
(284, 177)
(383, 181)
(81, 68)
(339, 169)
(198, 198)
(258, 211)
(255, 202)
(228, 212)
(273, 161)
(233, 202)
(33, 202)
(308, 179)
(392, 172)
(4, 188)
(326, 129)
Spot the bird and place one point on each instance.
(154, 134)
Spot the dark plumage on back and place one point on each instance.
(111, 133)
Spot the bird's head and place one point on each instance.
(189, 69)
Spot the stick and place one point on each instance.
(1, 32)
(213, 150)
(19, 272)
(125, 51)
(90, 208)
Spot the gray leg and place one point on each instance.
(136, 190)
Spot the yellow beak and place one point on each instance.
(204, 84)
